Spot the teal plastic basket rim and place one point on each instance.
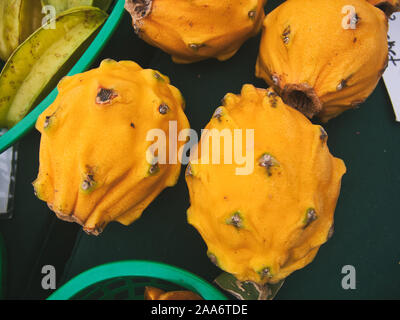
(137, 268)
(28, 122)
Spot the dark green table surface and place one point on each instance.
(367, 217)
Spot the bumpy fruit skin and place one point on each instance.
(314, 63)
(93, 163)
(198, 29)
(263, 226)
(387, 6)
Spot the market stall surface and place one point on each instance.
(367, 217)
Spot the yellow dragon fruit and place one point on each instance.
(263, 225)
(323, 57)
(95, 161)
(198, 29)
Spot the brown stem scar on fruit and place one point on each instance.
(311, 216)
(105, 96)
(132, 125)
(235, 220)
(163, 108)
(94, 231)
(303, 98)
(388, 8)
(139, 9)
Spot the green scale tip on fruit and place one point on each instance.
(153, 170)
(273, 98)
(48, 122)
(344, 83)
(189, 171)
(286, 35)
(88, 183)
(196, 46)
(267, 161)
(252, 14)
(323, 135)
(311, 215)
(35, 190)
(108, 60)
(158, 77)
(213, 258)
(331, 232)
(163, 108)
(236, 220)
(218, 114)
(265, 273)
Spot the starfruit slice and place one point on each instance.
(30, 18)
(42, 60)
(18, 19)
(9, 27)
(62, 5)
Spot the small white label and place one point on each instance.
(392, 73)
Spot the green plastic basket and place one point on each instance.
(28, 122)
(126, 280)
